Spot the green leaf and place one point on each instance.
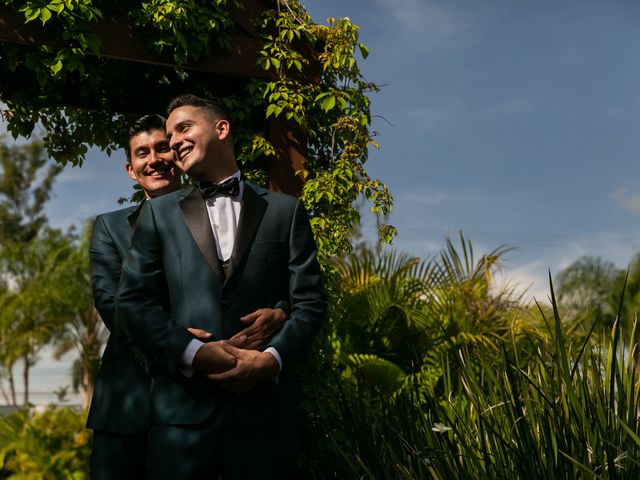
(270, 110)
(45, 15)
(31, 14)
(363, 50)
(328, 103)
(56, 67)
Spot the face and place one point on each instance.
(197, 141)
(151, 163)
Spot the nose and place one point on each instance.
(174, 142)
(158, 160)
(155, 158)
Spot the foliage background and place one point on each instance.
(474, 355)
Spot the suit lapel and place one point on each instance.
(132, 218)
(197, 218)
(253, 207)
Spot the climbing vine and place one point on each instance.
(312, 82)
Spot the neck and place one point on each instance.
(217, 174)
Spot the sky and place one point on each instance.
(515, 122)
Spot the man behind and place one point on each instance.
(119, 413)
(238, 246)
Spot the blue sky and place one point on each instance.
(516, 122)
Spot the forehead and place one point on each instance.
(184, 114)
(147, 138)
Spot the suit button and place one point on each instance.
(225, 303)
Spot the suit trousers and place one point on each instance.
(222, 447)
(117, 456)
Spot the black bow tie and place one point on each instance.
(229, 188)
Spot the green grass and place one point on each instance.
(541, 406)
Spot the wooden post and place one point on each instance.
(291, 153)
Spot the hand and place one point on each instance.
(212, 358)
(251, 368)
(204, 336)
(201, 334)
(263, 323)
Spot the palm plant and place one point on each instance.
(47, 445)
(399, 316)
(80, 327)
(28, 319)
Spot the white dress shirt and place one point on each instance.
(224, 214)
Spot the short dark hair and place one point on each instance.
(143, 124)
(213, 108)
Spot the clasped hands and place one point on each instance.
(237, 364)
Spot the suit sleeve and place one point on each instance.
(104, 264)
(306, 296)
(143, 295)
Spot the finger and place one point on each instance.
(237, 340)
(250, 330)
(231, 350)
(250, 318)
(221, 377)
(253, 345)
(262, 319)
(200, 334)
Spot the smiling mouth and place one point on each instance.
(183, 152)
(159, 173)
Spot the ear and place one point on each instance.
(129, 168)
(223, 129)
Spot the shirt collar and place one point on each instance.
(238, 175)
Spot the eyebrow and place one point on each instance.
(182, 123)
(140, 149)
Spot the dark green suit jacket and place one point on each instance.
(172, 279)
(120, 400)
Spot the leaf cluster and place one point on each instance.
(528, 402)
(313, 87)
(51, 444)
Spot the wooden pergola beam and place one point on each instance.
(122, 42)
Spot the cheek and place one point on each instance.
(132, 174)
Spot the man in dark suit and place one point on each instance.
(119, 413)
(204, 258)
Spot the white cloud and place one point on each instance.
(432, 198)
(3, 122)
(76, 174)
(530, 280)
(629, 200)
(435, 22)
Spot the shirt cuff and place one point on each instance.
(277, 356)
(188, 355)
